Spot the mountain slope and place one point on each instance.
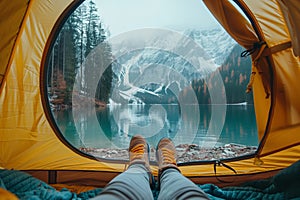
(160, 75)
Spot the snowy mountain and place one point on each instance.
(156, 66)
(216, 42)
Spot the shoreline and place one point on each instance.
(185, 152)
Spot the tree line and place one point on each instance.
(81, 33)
(235, 73)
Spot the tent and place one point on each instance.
(268, 29)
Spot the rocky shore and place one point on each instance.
(185, 152)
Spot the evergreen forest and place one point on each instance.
(79, 35)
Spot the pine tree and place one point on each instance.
(99, 64)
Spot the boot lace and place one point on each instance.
(168, 156)
(137, 152)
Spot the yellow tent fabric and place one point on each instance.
(291, 13)
(28, 141)
(14, 14)
(269, 22)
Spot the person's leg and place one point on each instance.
(135, 182)
(131, 184)
(173, 185)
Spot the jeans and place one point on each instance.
(134, 184)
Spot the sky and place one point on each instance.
(125, 15)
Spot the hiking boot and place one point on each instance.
(138, 151)
(166, 156)
(139, 154)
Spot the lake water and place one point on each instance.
(204, 125)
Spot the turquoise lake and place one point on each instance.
(204, 125)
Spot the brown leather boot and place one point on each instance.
(165, 156)
(139, 154)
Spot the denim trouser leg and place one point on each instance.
(131, 184)
(173, 185)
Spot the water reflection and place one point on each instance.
(112, 127)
